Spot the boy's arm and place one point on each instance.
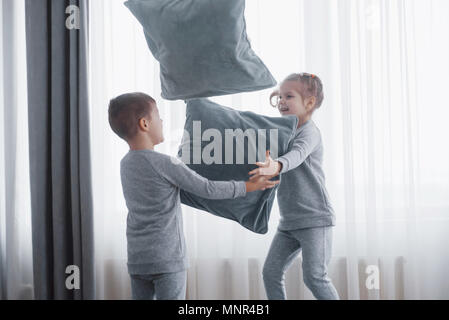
(177, 173)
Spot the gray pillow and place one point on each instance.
(212, 146)
(202, 47)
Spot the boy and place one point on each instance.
(151, 183)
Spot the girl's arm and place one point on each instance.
(303, 145)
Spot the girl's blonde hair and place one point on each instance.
(311, 86)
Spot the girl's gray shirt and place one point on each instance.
(302, 196)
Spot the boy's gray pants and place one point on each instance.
(316, 246)
(165, 286)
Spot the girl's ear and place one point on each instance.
(310, 103)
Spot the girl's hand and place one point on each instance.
(269, 168)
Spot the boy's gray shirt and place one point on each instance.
(302, 196)
(151, 183)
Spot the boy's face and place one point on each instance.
(155, 130)
(290, 101)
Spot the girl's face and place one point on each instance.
(290, 101)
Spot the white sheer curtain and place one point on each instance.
(384, 66)
(16, 269)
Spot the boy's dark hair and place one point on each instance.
(126, 110)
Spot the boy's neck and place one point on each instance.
(141, 144)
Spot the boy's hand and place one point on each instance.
(268, 168)
(260, 183)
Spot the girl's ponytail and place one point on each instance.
(275, 94)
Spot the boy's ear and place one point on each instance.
(144, 124)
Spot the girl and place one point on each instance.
(306, 214)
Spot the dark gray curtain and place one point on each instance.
(61, 194)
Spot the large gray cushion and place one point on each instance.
(252, 211)
(202, 47)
